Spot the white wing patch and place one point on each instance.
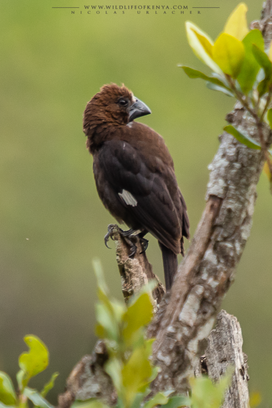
(128, 198)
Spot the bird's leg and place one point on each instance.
(130, 232)
(130, 236)
(143, 241)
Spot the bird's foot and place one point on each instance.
(144, 244)
(130, 236)
(111, 230)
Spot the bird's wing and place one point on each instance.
(143, 192)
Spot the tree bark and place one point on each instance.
(208, 269)
(225, 349)
(135, 271)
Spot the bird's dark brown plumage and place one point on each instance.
(134, 172)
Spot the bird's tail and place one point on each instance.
(170, 265)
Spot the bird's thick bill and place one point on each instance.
(137, 109)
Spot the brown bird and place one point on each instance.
(134, 172)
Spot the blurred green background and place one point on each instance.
(52, 222)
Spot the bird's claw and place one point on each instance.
(144, 243)
(109, 234)
(133, 247)
(129, 236)
(106, 240)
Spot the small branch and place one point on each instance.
(242, 100)
(258, 119)
(135, 271)
(268, 99)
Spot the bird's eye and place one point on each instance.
(123, 102)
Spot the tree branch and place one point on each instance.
(208, 270)
(135, 271)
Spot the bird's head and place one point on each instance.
(114, 106)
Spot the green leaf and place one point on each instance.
(205, 394)
(7, 392)
(91, 403)
(48, 386)
(202, 45)
(35, 361)
(263, 87)
(138, 400)
(100, 331)
(107, 325)
(178, 401)
(138, 315)
(214, 87)
(99, 275)
(148, 345)
(136, 373)
(270, 51)
(236, 24)
(229, 53)
(193, 73)
(113, 368)
(109, 313)
(269, 117)
(119, 309)
(250, 67)
(114, 307)
(20, 379)
(36, 398)
(255, 399)
(263, 60)
(158, 399)
(155, 372)
(222, 78)
(5, 406)
(244, 139)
